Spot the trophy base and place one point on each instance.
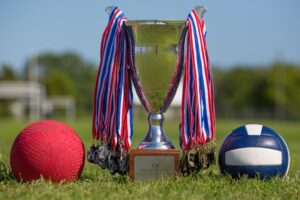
(146, 164)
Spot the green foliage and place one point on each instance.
(268, 92)
(59, 83)
(239, 92)
(283, 90)
(7, 73)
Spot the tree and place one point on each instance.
(283, 90)
(59, 83)
(240, 92)
(7, 73)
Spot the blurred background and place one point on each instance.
(49, 55)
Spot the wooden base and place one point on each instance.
(145, 164)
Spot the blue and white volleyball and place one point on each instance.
(255, 151)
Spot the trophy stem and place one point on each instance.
(156, 137)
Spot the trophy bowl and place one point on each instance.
(155, 71)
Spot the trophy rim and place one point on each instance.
(154, 21)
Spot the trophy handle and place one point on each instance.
(109, 9)
(201, 10)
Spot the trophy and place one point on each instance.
(155, 74)
(151, 54)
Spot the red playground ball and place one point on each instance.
(47, 149)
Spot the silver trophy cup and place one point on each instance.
(156, 71)
(156, 74)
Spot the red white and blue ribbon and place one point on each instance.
(112, 117)
(112, 120)
(198, 113)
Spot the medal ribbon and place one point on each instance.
(112, 116)
(197, 111)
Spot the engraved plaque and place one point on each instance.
(148, 167)
(148, 164)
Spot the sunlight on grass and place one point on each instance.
(96, 183)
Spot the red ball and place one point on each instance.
(49, 149)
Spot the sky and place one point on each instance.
(239, 32)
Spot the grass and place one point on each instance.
(99, 184)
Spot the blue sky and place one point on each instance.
(239, 32)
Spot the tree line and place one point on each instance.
(258, 92)
(271, 91)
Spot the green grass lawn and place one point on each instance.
(96, 183)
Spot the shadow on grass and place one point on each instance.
(104, 176)
(5, 173)
(94, 175)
